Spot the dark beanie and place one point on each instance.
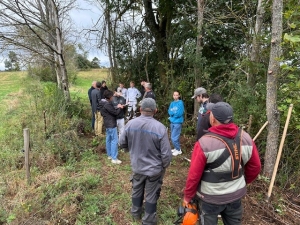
(223, 112)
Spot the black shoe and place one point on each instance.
(137, 218)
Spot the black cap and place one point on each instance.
(223, 112)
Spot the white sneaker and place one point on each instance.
(116, 161)
(177, 152)
(109, 157)
(173, 150)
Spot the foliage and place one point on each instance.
(12, 64)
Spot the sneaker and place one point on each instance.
(109, 157)
(177, 152)
(116, 161)
(173, 150)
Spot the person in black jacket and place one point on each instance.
(98, 119)
(103, 88)
(110, 113)
(90, 98)
(148, 91)
(204, 122)
(119, 99)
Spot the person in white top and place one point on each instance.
(122, 89)
(131, 99)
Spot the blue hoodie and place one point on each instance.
(176, 111)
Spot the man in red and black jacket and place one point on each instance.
(223, 162)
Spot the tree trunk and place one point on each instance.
(109, 40)
(198, 64)
(254, 57)
(272, 80)
(60, 55)
(159, 30)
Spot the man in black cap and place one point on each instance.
(150, 154)
(223, 162)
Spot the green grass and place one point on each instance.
(84, 80)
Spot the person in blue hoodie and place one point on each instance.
(176, 113)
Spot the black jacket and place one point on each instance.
(150, 94)
(90, 94)
(109, 113)
(102, 89)
(204, 125)
(119, 100)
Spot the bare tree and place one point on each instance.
(37, 27)
(272, 82)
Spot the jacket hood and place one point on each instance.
(227, 130)
(102, 103)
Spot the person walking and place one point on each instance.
(98, 119)
(150, 155)
(109, 113)
(176, 117)
(222, 163)
(132, 95)
(119, 99)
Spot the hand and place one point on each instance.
(120, 106)
(185, 203)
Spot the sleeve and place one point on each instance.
(253, 166)
(198, 163)
(170, 112)
(180, 110)
(165, 148)
(203, 126)
(138, 93)
(94, 102)
(110, 108)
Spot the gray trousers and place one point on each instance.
(231, 213)
(150, 188)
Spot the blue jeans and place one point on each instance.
(112, 142)
(175, 135)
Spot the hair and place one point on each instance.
(98, 84)
(214, 98)
(108, 94)
(102, 82)
(132, 82)
(178, 93)
(204, 95)
(148, 85)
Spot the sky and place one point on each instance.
(83, 17)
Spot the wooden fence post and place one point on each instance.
(26, 152)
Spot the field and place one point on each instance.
(72, 181)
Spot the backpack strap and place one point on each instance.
(232, 150)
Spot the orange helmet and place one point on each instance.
(191, 214)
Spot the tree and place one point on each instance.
(12, 64)
(37, 27)
(272, 85)
(95, 63)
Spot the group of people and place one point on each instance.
(224, 157)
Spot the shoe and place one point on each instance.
(116, 161)
(137, 218)
(109, 157)
(173, 150)
(177, 152)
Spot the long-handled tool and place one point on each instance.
(261, 129)
(279, 152)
